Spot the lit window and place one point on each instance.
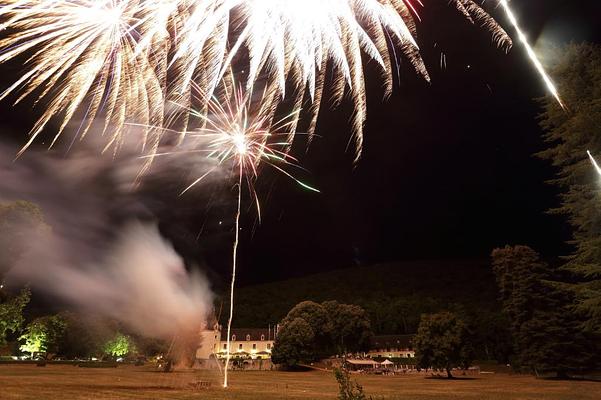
(247, 338)
(233, 338)
(262, 337)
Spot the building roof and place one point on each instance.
(362, 362)
(391, 341)
(241, 334)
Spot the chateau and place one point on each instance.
(247, 343)
(391, 346)
(257, 344)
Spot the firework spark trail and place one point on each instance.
(233, 283)
(531, 54)
(82, 54)
(240, 136)
(232, 132)
(110, 58)
(296, 42)
(594, 162)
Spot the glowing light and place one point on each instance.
(594, 162)
(240, 143)
(531, 54)
(296, 42)
(232, 132)
(110, 58)
(81, 53)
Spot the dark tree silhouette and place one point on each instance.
(546, 333)
(442, 342)
(570, 134)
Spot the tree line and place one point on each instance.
(554, 312)
(68, 335)
(550, 316)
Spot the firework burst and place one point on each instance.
(82, 54)
(123, 60)
(235, 133)
(297, 41)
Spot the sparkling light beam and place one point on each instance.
(594, 162)
(531, 54)
(125, 60)
(236, 134)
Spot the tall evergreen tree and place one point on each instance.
(570, 134)
(546, 333)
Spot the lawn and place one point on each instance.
(128, 382)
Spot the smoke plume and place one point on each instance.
(103, 251)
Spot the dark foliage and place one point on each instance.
(295, 344)
(547, 334)
(394, 297)
(11, 314)
(443, 342)
(312, 331)
(570, 134)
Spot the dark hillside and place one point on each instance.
(395, 295)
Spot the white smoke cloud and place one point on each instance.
(140, 281)
(98, 255)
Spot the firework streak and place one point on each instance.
(123, 61)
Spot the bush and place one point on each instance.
(348, 389)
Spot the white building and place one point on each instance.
(391, 346)
(245, 343)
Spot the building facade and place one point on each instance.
(391, 346)
(252, 344)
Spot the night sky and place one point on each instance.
(447, 168)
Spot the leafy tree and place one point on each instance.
(348, 326)
(392, 309)
(320, 330)
(150, 346)
(546, 334)
(81, 338)
(295, 344)
(492, 340)
(35, 338)
(119, 346)
(43, 334)
(11, 314)
(570, 134)
(442, 342)
(86, 335)
(316, 316)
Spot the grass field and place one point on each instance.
(127, 382)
